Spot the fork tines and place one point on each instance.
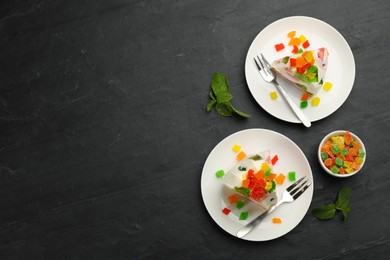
(298, 187)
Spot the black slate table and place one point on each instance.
(104, 130)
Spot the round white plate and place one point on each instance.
(341, 67)
(214, 193)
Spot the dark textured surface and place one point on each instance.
(103, 129)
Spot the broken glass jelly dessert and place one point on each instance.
(252, 178)
(305, 70)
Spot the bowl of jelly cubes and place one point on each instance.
(341, 153)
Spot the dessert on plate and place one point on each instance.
(252, 177)
(305, 70)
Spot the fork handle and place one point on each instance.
(298, 112)
(248, 227)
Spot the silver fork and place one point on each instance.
(289, 195)
(268, 75)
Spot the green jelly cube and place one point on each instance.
(335, 149)
(267, 173)
(240, 204)
(344, 152)
(339, 162)
(244, 215)
(291, 176)
(303, 104)
(334, 169)
(324, 156)
(220, 173)
(361, 153)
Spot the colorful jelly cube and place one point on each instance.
(303, 104)
(335, 149)
(240, 204)
(236, 148)
(291, 34)
(273, 95)
(280, 179)
(279, 46)
(327, 86)
(306, 44)
(226, 211)
(274, 159)
(241, 155)
(291, 176)
(277, 220)
(339, 162)
(305, 96)
(315, 101)
(334, 169)
(233, 198)
(244, 215)
(220, 173)
(265, 167)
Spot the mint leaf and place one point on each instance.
(342, 204)
(345, 212)
(212, 96)
(224, 97)
(224, 109)
(219, 83)
(220, 96)
(240, 113)
(343, 198)
(211, 105)
(325, 212)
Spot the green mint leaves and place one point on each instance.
(328, 211)
(220, 97)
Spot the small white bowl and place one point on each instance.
(336, 133)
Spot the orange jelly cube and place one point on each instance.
(245, 183)
(276, 220)
(233, 198)
(280, 179)
(241, 155)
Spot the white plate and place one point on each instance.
(291, 158)
(341, 67)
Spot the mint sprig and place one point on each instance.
(220, 97)
(328, 211)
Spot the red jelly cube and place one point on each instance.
(306, 44)
(279, 47)
(226, 211)
(274, 159)
(293, 62)
(295, 49)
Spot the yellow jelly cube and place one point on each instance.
(268, 186)
(302, 38)
(349, 170)
(359, 160)
(241, 155)
(273, 95)
(265, 167)
(338, 140)
(327, 86)
(308, 55)
(236, 148)
(315, 101)
(347, 164)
